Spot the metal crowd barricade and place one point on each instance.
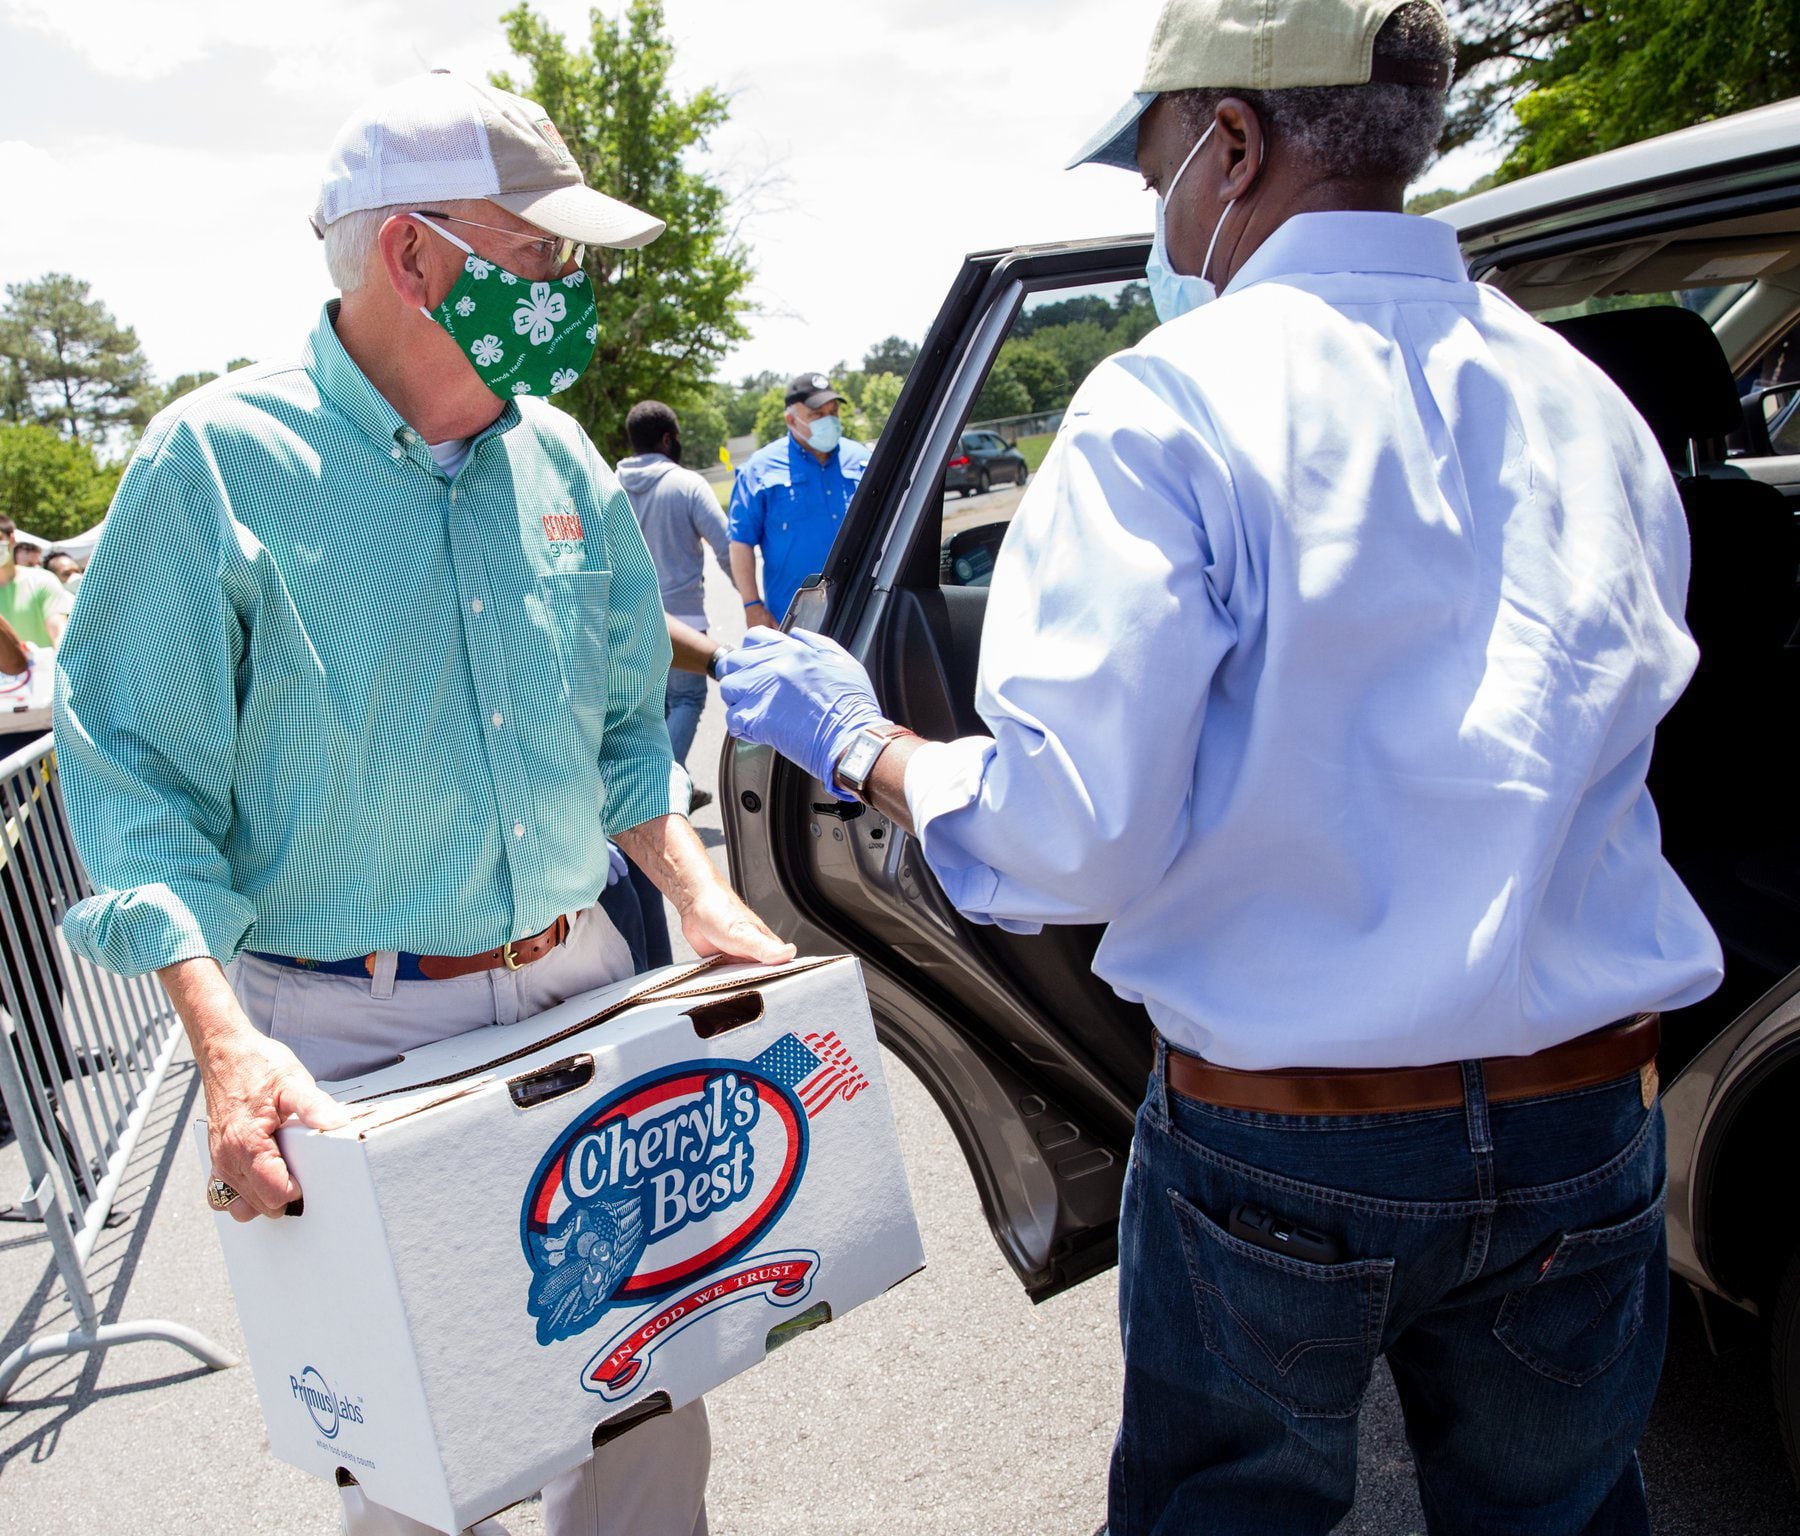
(83, 1054)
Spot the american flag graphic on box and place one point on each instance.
(817, 1067)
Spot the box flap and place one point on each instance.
(469, 1059)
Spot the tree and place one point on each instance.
(670, 311)
(702, 430)
(1001, 396)
(1079, 346)
(877, 404)
(1632, 69)
(1040, 370)
(49, 485)
(894, 354)
(740, 411)
(1495, 40)
(771, 415)
(68, 362)
(1443, 197)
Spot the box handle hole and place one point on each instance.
(713, 1019)
(551, 1082)
(818, 1314)
(653, 1406)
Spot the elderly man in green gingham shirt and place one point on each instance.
(367, 667)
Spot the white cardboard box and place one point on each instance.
(532, 1233)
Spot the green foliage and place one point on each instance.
(877, 404)
(894, 354)
(1040, 370)
(702, 429)
(1079, 347)
(1495, 39)
(670, 311)
(67, 362)
(1637, 68)
(740, 408)
(771, 415)
(50, 485)
(1443, 197)
(1001, 396)
(157, 397)
(1585, 76)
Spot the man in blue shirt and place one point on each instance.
(1322, 664)
(789, 500)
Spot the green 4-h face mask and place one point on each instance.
(524, 338)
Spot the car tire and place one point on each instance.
(1784, 1361)
(1024, 475)
(983, 483)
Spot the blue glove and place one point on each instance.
(801, 694)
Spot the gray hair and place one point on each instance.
(1353, 132)
(350, 238)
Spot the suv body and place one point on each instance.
(1037, 1066)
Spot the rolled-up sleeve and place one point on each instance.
(146, 726)
(1104, 628)
(634, 753)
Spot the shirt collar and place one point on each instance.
(1401, 244)
(349, 391)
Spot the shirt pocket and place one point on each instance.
(576, 610)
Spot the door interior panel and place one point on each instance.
(928, 657)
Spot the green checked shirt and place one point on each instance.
(317, 700)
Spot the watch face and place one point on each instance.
(858, 760)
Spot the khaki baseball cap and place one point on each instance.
(1257, 45)
(437, 137)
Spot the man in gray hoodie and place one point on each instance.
(679, 515)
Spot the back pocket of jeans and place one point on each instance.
(1303, 1334)
(1587, 1303)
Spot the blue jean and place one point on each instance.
(683, 701)
(1507, 1258)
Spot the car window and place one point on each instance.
(1055, 341)
(1775, 379)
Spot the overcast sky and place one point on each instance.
(168, 151)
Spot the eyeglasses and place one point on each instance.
(555, 250)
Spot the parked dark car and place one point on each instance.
(1674, 264)
(983, 460)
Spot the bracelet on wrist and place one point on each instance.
(755, 602)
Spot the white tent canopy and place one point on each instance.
(81, 546)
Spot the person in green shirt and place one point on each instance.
(343, 770)
(32, 601)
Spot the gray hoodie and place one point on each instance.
(678, 513)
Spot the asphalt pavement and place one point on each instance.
(949, 1406)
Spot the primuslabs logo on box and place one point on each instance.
(328, 1411)
(668, 1182)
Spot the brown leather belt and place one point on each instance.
(1619, 1050)
(511, 955)
(409, 967)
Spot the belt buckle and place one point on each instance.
(506, 954)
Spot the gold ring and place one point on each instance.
(219, 1194)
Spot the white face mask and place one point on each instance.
(1175, 293)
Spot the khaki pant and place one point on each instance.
(652, 1480)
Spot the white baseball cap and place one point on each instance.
(436, 137)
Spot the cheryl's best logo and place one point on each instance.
(324, 1407)
(667, 1179)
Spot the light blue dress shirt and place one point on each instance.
(319, 699)
(788, 503)
(1322, 662)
